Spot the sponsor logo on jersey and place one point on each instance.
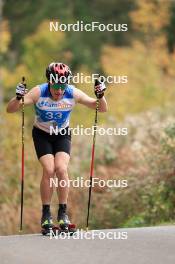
(62, 105)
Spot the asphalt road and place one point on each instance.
(151, 245)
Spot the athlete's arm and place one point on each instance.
(30, 98)
(82, 98)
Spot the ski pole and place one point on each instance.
(22, 161)
(92, 162)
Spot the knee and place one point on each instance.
(49, 172)
(61, 171)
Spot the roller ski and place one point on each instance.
(64, 224)
(47, 226)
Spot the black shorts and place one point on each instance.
(50, 144)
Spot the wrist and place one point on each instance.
(18, 97)
(99, 96)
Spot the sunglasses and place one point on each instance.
(58, 86)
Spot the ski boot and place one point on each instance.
(47, 226)
(65, 225)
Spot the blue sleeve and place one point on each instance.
(43, 89)
(69, 91)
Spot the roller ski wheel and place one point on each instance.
(67, 228)
(45, 231)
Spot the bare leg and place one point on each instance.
(47, 162)
(61, 165)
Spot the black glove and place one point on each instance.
(99, 87)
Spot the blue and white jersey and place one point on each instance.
(50, 113)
